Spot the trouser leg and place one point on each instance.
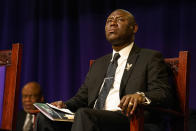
(45, 124)
(91, 120)
(99, 120)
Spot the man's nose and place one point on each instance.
(28, 98)
(113, 23)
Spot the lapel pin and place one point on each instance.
(128, 66)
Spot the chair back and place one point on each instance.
(181, 69)
(11, 60)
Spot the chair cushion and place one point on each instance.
(2, 82)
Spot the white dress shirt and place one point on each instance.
(113, 98)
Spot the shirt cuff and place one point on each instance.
(147, 100)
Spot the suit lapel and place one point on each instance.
(103, 71)
(103, 66)
(20, 120)
(131, 61)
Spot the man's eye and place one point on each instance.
(108, 21)
(120, 19)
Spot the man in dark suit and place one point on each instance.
(192, 120)
(117, 83)
(31, 93)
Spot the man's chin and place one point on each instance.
(29, 110)
(116, 43)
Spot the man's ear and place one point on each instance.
(135, 28)
(42, 99)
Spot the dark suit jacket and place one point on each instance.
(148, 74)
(20, 120)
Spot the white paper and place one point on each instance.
(61, 109)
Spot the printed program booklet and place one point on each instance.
(54, 113)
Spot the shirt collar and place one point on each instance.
(124, 53)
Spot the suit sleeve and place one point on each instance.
(81, 97)
(159, 90)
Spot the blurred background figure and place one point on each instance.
(192, 120)
(31, 93)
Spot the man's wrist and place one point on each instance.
(64, 105)
(147, 100)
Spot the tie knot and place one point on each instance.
(116, 57)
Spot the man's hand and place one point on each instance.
(59, 104)
(129, 103)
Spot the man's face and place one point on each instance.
(118, 29)
(30, 95)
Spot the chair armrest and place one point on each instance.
(137, 120)
(165, 111)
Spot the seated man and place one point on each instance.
(117, 83)
(31, 93)
(192, 120)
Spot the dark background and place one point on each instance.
(61, 36)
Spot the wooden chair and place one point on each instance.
(179, 122)
(12, 60)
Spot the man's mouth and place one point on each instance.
(28, 106)
(112, 30)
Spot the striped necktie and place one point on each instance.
(108, 82)
(28, 123)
